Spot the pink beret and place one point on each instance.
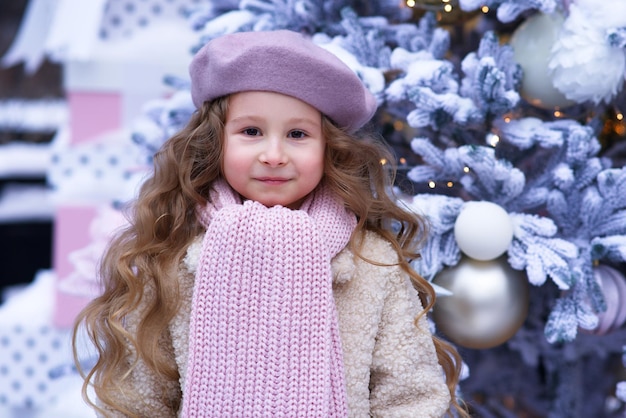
(283, 62)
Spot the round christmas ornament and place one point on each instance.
(489, 302)
(613, 285)
(532, 44)
(483, 230)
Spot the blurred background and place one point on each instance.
(25, 244)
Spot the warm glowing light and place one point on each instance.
(445, 1)
(557, 114)
(402, 160)
(493, 139)
(431, 184)
(449, 184)
(466, 169)
(619, 116)
(447, 8)
(383, 161)
(410, 3)
(507, 119)
(398, 125)
(484, 9)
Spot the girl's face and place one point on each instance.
(273, 148)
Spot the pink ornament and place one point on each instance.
(613, 285)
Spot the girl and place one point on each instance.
(260, 275)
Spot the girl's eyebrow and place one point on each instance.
(244, 118)
(304, 121)
(257, 119)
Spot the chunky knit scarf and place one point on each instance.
(264, 338)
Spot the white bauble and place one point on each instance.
(483, 230)
(489, 302)
(532, 44)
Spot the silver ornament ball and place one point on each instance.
(489, 302)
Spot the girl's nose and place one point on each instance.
(273, 153)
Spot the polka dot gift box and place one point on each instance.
(34, 355)
(31, 358)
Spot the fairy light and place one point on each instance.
(383, 161)
(466, 169)
(557, 114)
(484, 9)
(619, 116)
(446, 5)
(398, 125)
(493, 139)
(402, 160)
(433, 185)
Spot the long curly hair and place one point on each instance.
(143, 258)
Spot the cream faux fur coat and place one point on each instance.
(390, 364)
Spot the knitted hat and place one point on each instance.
(283, 62)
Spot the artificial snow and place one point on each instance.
(45, 115)
(20, 159)
(25, 203)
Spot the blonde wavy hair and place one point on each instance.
(163, 223)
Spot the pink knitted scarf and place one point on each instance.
(264, 338)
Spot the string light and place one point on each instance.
(557, 114)
(466, 169)
(619, 116)
(446, 5)
(402, 160)
(493, 139)
(383, 161)
(448, 12)
(433, 185)
(484, 9)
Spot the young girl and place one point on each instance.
(260, 275)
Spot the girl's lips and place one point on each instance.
(273, 180)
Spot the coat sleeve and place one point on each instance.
(143, 392)
(406, 379)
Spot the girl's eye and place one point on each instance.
(297, 134)
(251, 131)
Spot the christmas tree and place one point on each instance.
(506, 119)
